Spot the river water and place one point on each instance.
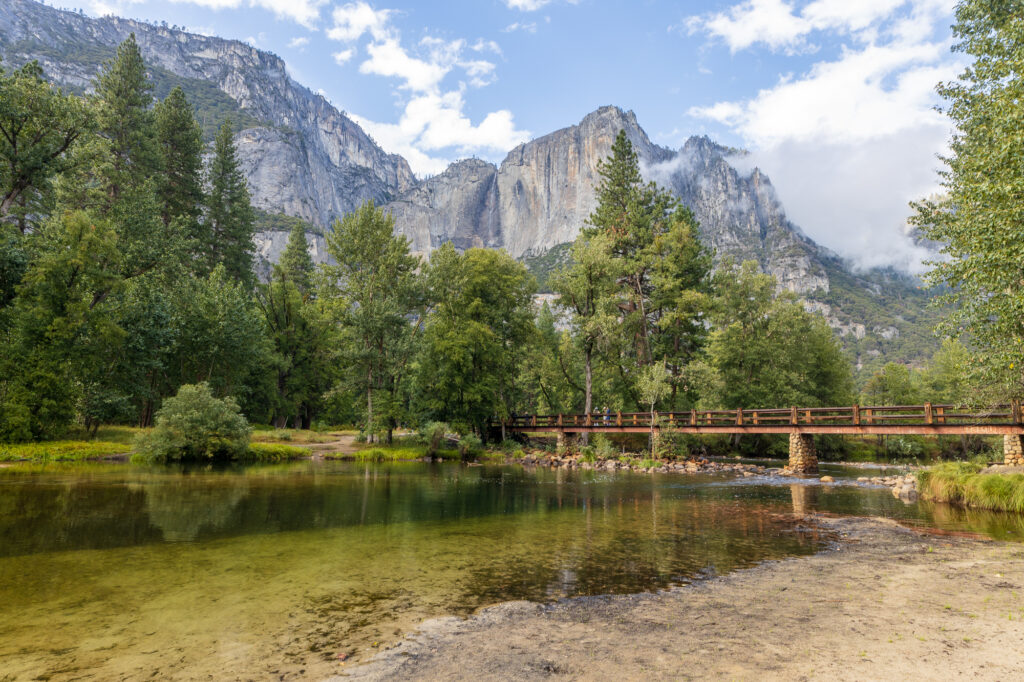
(124, 572)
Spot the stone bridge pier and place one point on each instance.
(1013, 450)
(802, 457)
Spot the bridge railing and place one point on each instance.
(850, 415)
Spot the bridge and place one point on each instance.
(801, 423)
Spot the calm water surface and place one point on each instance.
(121, 572)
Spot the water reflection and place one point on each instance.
(180, 572)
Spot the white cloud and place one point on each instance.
(526, 5)
(389, 58)
(343, 56)
(850, 141)
(517, 26)
(300, 42)
(482, 45)
(351, 21)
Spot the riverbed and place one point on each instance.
(112, 571)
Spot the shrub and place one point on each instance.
(196, 425)
(588, 453)
(433, 435)
(603, 446)
(470, 445)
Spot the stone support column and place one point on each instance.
(802, 457)
(1013, 450)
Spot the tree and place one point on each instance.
(299, 334)
(765, 350)
(229, 216)
(126, 120)
(296, 261)
(980, 219)
(654, 384)
(894, 384)
(478, 328)
(375, 294)
(584, 289)
(180, 186)
(39, 128)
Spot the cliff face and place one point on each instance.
(542, 193)
(305, 158)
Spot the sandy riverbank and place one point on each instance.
(888, 603)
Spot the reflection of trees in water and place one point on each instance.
(183, 508)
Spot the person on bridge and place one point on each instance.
(607, 416)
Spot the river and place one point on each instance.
(113, 571)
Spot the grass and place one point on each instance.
(400, 452)
(292, 435)
(62, 450)
(961, 483)
(275, 452)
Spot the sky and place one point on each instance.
(834, 99)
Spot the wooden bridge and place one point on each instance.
(801, 423)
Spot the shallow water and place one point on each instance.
(120, 572)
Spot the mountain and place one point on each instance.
(542, 192)
(304, 158)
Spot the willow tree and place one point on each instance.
(980, 218)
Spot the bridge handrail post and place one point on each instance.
(559, 418)
(856, 415)
(1015, 411)
(693, 417)
(739, 416)
(793, 415)
(618, 417)
(755, 418)
(928, 413)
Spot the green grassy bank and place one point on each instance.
(961, 483)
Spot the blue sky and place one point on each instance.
(834, 98)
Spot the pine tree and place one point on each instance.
(229, 216)
(126, 119)
(180, 187)
(296, 261)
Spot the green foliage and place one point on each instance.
(39, 129)
(64, 450)
(961, 483)
(296, 263)
(469, 446)
(179, 187)
(475, 335)
(766, 350)
(543, 266)
(979, 219)
(893, 385)
(230, 221)
(374, 291)
(194, 424)
(434, 435)
(603, 446)
(273, 452)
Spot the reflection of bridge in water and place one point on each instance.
(800, 423)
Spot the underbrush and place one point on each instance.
(273, 452)
(292, 436)
(62, 450)
(401, 452)
(961, 483)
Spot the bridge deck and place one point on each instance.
(926, 419)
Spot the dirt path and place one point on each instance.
(345, 445)
(889, 603)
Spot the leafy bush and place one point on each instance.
(588, 453)
(433, 435)
(470, 445)
(603, 446)
(903, 447)
(361, 437)
(196, 425)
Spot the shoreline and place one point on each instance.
(885, 602)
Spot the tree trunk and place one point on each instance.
(588, 388)
(369, 406)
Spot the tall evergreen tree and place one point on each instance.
(126, 120)
(180, 186)
(230, 219)
(296, 261)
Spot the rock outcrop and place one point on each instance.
(305, 159)
(542, 193)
